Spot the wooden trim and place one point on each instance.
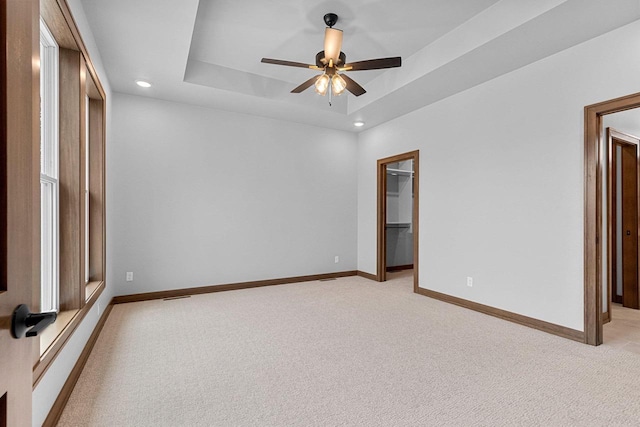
(3, 398)
(416, 219)
(96, 191)
(20, 168)
(227, 287)
(92, 89)
(593, 317)
(3, 146)
(612, 225)
(83, 175)
(611, 222)
(66, 12)
(67, 389)
(381, 264)
(58, 17)
(367, 275)
(626, 142)
(52, 16)
(400, 267)
(541, 325)
(70, 213)
(103, 179)
(593, 229)
(58, 344)
(622, 137)
(381, 268)
(593, 333)
(611, 163)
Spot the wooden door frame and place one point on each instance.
(593, 172)
(621, 139)
(381, 273)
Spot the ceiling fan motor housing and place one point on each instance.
(321, 62)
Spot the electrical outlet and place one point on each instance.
(129, 276)
(469, 281)
(337, 259)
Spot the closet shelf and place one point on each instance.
(399, 172)
(398, 225)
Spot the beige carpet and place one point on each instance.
(349, 352)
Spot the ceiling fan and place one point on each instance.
(331, 60)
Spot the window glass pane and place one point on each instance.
(49, 291)
(49, 169)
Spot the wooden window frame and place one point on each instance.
(78, 79)
(97, 185)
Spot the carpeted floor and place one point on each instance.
(349, 352)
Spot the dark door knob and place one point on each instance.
(628, 232)
(32, 324)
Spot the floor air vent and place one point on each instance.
(172, 298)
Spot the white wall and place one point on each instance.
(501, 180)
(202, 197)
(45, 394)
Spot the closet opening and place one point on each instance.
(398, 196)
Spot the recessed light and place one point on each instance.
(142, 83)
(358, 124)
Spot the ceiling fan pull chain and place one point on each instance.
(330, 91)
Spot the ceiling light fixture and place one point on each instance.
(338, 85)
(358, 124)
(322, 84)
(142, 83)
(331, 82)
(331, 60)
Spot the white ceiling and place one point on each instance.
(207, 52)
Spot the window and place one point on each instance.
(73, 117)
(49, 192)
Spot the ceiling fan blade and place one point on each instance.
(332, 44)
(306, 85)
(287, 63)
(374, 64)
(352, 86)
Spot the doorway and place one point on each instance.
(622, 221)
(398, 202)
(596, 267)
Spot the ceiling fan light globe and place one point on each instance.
(322, 84)
(338, 85)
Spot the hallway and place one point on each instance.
(623, 332)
